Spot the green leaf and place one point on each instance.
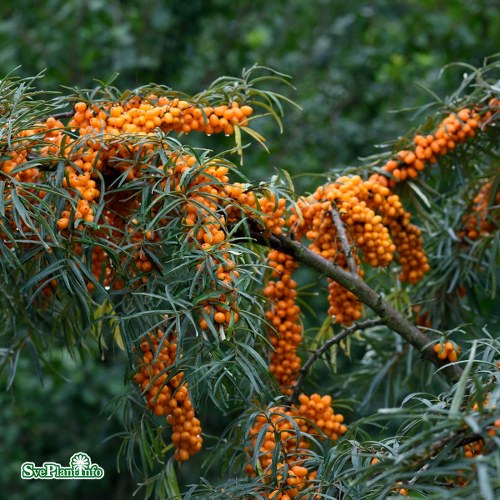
(237, 138)
(464, 379)
(258, 137)
(484, 479)
(172, 486)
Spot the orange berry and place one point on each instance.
(63, 223)
(80, 107)
(246, 110)
(219, 317)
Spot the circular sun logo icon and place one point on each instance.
(79, 461)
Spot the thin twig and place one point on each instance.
(344, 242)
(414, 479)
(321, 350)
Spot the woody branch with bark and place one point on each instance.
(388, 315)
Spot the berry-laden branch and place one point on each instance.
(455, 129)
(465, 442)
(352, 282)
(127, 191)
(327, 345)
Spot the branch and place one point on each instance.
(47, 164)
(437, 446)
(321, 350)
(352, 282)
(64, 114)
(344, 242)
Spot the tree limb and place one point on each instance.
(63, 114)
(437, 446)
(352, 282)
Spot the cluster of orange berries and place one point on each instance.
(284, 316)
(168, 397)
(322, 232)
(117, 139)
(376, 227)
(208, 233)
(344, 306)
(448, 350)
(315, 412)
(17, 157)
(88, 192)
(444, 350)
(320, 411)
(471, 450)
(474, 449)
(143, 115)
(14, 161)
(407, 238)
(278, 421)
(115, 133)
(117, 142)
(349, 197)
(14, 164)
(456, 128)
(483, 218)
(108, 144)
(77, 179)
(266, 209)
(292, 481)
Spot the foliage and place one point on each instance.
(70, 411)
(354, 63)
(409, 429)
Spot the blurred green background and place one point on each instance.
(353, 65)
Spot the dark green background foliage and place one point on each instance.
(352, 64)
